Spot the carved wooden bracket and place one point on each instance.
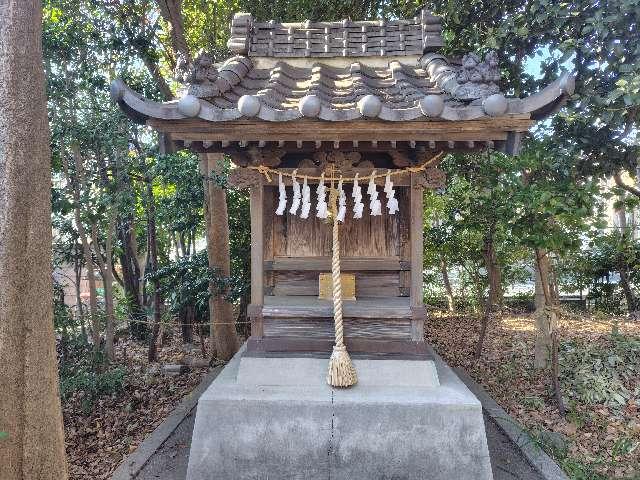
(400, 159)
(257, 156)
(431, 178)
(344, 161)
(244, 178)
(424, 156)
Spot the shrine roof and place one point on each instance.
(344, 38)
(341, 71)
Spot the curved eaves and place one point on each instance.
(138, 108)
(548, 100)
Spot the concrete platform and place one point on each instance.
(281, 421)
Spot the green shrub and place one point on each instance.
(91, 385)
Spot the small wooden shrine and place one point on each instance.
(299, 104)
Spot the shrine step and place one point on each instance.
(323, 328)
(310, 306)
(284, 346)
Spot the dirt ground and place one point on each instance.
(597, 439)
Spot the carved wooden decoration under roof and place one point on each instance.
(244, 178)
(258, 156)
(432, 178)
(344, 162)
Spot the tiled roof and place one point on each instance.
(387, 70)
(344, 38)
(281, 87)
(393, 91)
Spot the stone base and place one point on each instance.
(277, 419)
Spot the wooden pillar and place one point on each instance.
(257, 260)
(418, 312)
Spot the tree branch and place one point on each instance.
(171, 11)
(629, 188)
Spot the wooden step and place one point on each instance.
(312, 307)
(282, 346)
(324, 329)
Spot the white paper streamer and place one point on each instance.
(321, 192)
(392, 205)
(374, 204)
(296, 194)
(371, 189)
(388, 185)
(358, 206)
(342, 203)
(283, 196)
(376, 208)
(392, 201)
(306, 199)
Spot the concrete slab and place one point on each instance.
(390, 373)
(169, 460)
(308, 430)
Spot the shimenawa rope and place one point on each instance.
(341, 370)
(267, 172)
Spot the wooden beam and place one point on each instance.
(410, 349)
(359, 130)
(307, 306)
(417, 255)
(310, 147)
(257, 258)
(347, 264)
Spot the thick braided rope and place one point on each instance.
(337, 285)
(267, 171)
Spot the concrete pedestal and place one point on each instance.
(275, 418)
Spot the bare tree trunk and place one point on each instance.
(543, 342)
(108, 290)
(30, 412)
(622, 264)
(447, 286)
(131, 275)
(551, 321)
(79, 307)
(106, 270)
(126, 234)
(494, 272)
(220, 310)
(629, 296)
(74, 187)
(171, 11)
(186, 317)
(493, 296)
(153, 260)
(484, 324)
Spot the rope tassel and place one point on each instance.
(341, 373)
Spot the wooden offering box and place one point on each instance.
(347, 281)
